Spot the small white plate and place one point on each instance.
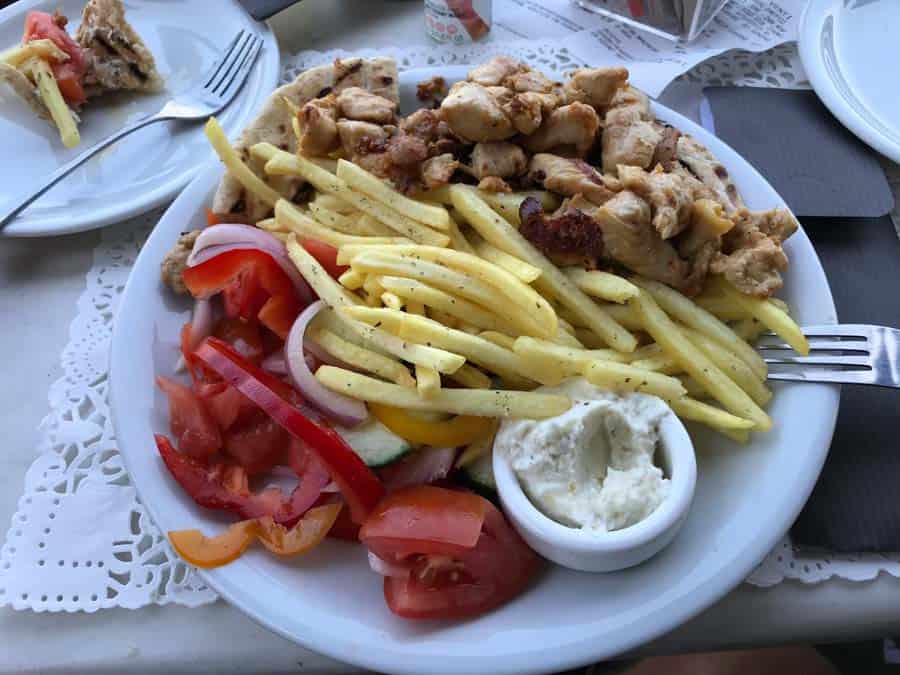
(329, 601)
(851, 50)
(153, 164)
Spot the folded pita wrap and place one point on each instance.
(273, 125)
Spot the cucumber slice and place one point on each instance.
(479, 475)
(375, 443)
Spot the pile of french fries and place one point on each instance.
(34, 59)
(443, 290)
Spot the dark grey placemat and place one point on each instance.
(855, 505)
(817, 165)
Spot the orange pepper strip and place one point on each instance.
(306, 534)
(459, 430)
(202, 551)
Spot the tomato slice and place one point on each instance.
(326, 254)
(309, 531)
(430, 531)
(41, 25)
(207, 552)
(192, 425)
(359, 485)
(257, 446)
(227, 405)
(244, 336)
(225, 487)
(423, 519)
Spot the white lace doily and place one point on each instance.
(81, 540)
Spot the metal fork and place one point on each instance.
(213, 92)
(847, 354)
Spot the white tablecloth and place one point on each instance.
(39, 283)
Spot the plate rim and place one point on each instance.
(100, 215)
(809, 33)
(579, 651)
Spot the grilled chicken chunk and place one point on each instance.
(317, 122)
(669, 197)
(571, 177)
(494, 184)
(569, 237)
(530, 80)
(438, 170)
(499, 159)
(175, 262)
(710, 171)
(571, 126)
(356, 103)
(494, 72)
(595, 86)
(116, 57)
(360, 137)
(473, 114)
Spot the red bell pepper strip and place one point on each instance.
(359, 485)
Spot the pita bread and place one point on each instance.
(117, 58)
(273, 125)
(22, 86)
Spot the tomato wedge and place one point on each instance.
(202, 551)
(455, 570)
(249, 279)
(306, 534)
(326, 254)
(359, 485)
(225, 487)
(68, 74)
(244, 336)
(192, 425)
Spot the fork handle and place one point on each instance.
(63, 171)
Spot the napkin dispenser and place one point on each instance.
(673, 19)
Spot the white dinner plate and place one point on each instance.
(153, 164)
(851, 50)
(331, 602)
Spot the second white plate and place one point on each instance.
(153, 164)
(850, 50)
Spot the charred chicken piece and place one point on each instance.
(570, 237)
(669, 197)
(701, 162)
(317, 123)
(356, 103)
(438, 170)
(572, 126)
(572, 177)
(474, 115)
(500, 159)
(595, 86)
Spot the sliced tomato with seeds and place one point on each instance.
(68, 74)
(193, 427)
(257, 445)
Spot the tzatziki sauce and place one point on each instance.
(592, 466)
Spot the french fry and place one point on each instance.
(589, 338)
(691, 409)
(480, 402)
(748, 329)
(458, 240)
(626, 377)
(333, 203)
(321, 282)
(521, 270)
(59, 110)
(555, 362)
(520, 294)
(469, 376)
(421, 330)
(451, 280)
(441, 317)
(505, 203)
(504, 236)
(720, 306)
(696, 363)
(364, 359)
(240, 171)
(709, 215)
(566, 339)
(602, 285)
(731, 365)
(285, 164)
(375, 228)
(688, 313)
(477, 448)
(661, 363)
(431, 297)
(363, 181)
(625, 315)
(428, 381)
(769, 314)
(336, 221)
(498, 338)
(43, 49)
(373, 288)
(352, 280)
(391, 300)
(694, 389)
(737, 436)
(291, 218)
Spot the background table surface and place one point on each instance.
(41, 279)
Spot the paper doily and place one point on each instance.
(81, 540)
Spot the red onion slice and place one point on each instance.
(224, 237)
(386, 569)
(274, 363)
(340, 408)
(421, 467)
(202, 322)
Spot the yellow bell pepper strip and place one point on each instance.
(458, 430)
(202, 551)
